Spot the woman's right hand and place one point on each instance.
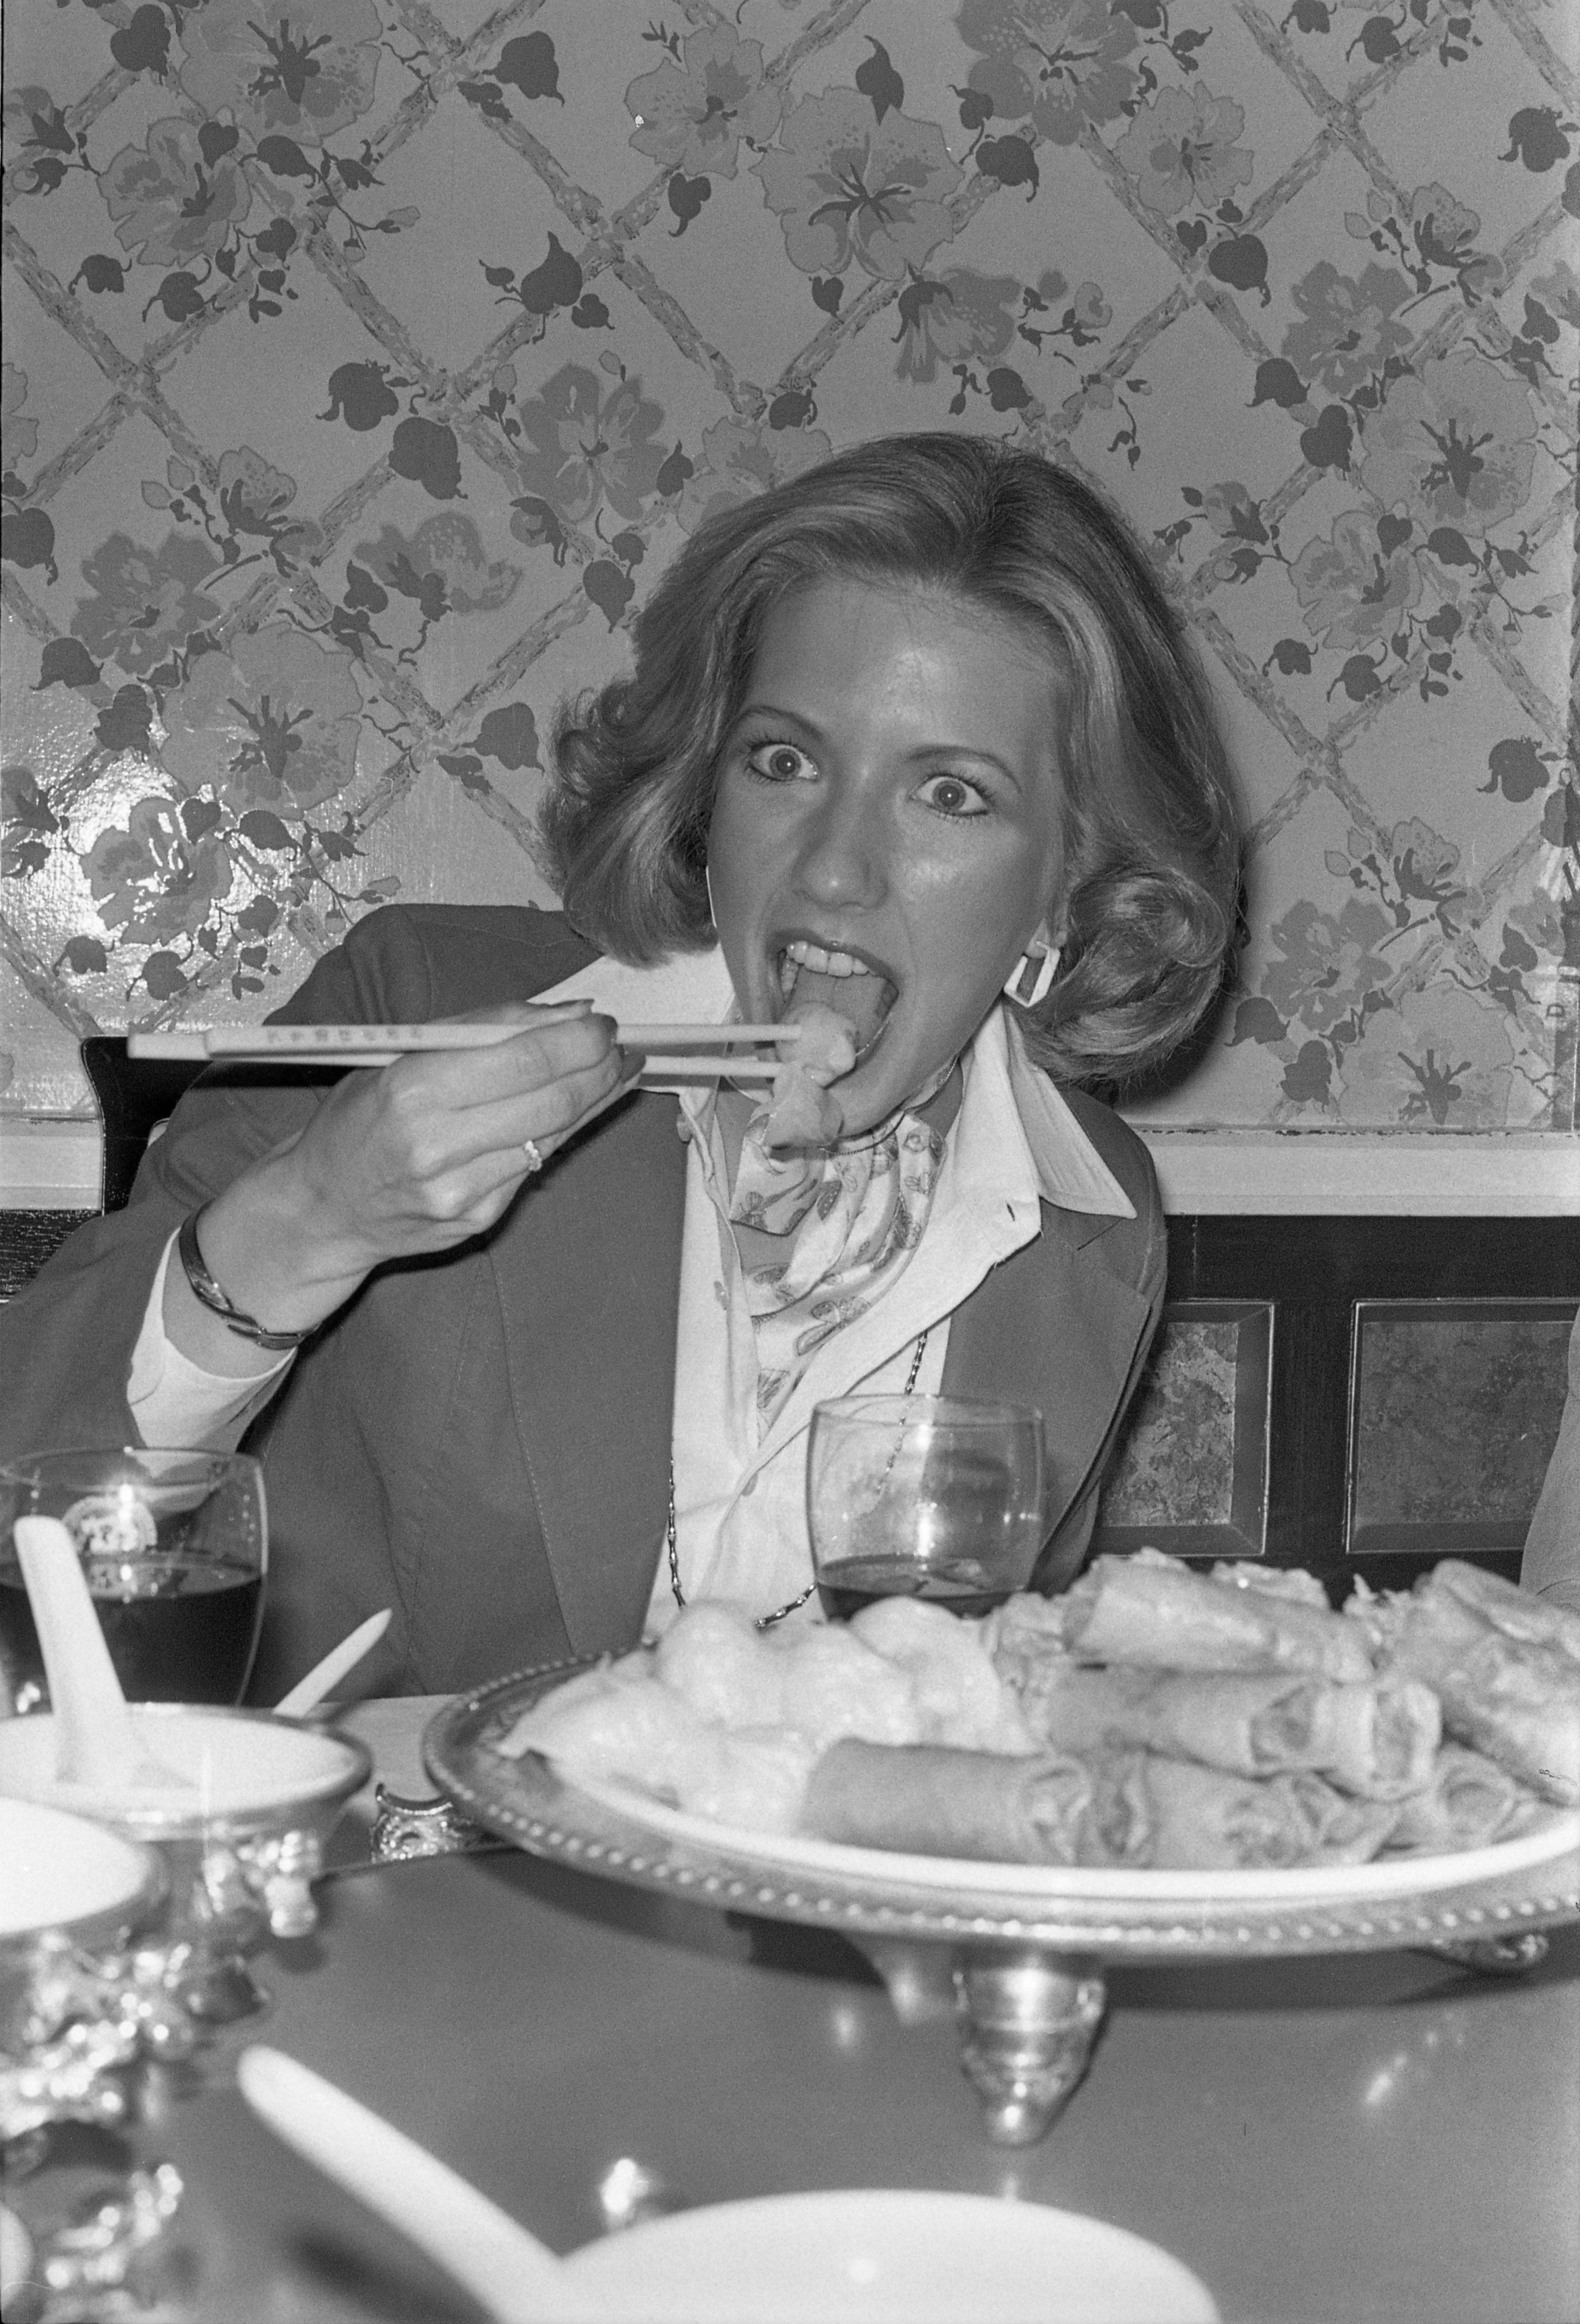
(406, 1159)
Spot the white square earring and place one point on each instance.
(1033, 980)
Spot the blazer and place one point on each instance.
(481, 1440)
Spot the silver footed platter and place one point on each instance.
(1015, 1954)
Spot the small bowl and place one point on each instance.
(242, 1838)
(65, 1874)
(886, 2255)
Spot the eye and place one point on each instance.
(779, 762)
(953, 796)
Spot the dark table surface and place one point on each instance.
(1382, 2137)
(1366, 2137)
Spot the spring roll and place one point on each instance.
(1156, 1612)
(1533, 1621)
(1201, 1818)
(1375, 1740)
(1469, 1802)
(929, 1800)
(1516, 1699)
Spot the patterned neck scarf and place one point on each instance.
(851, 1217)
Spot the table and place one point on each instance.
(1375, 2138)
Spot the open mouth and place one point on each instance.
(856, 989)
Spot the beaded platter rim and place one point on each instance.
(523, 1801)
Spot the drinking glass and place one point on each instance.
(174, 1547)
(930, 1496)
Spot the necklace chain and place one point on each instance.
(765, 1621)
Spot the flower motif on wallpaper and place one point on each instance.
(848, 185)
(170, 204)
(1356, 584)
(1058, 63)
(244, 516)
(45, 148)
(958, 316)
(1328, 1002)
(590, 441)
(1328, 963)
(271, 721)
(146, 603)
(1444, 233)
(741, 458)
(694, 111)
(1440, 1056)
(254, 496)
(1180, 151)
(968, 322)
(302, 69)
(149, 881)
(29, 824)
(441, 569)
(1449, 451)
(1353, 325)
(1408, 867)
(19, 435)
(1455, 443)
(1435, 241)
(1559, 291)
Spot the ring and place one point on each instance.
(534, 1159)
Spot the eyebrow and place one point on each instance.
(925, 750)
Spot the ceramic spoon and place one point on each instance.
(325, 1676)
(97, 1743)
(516, 2278)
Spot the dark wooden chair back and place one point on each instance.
(134, 1095)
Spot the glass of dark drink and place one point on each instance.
(931, 1497)
(174, 1547)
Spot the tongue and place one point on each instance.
(863, 1001)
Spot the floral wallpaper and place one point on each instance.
(365, 359)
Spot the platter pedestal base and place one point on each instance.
(1028, 2020)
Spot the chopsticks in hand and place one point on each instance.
(671, 1051)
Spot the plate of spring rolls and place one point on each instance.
(1158, 1734)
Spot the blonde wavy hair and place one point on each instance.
(1151, 829)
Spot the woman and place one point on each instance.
(914, 727)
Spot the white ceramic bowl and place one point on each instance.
(888, 2256)
(60, 1871)
(238, 1769)
(241, 1822)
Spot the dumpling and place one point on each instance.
(715, 1657)
(832, 1685)
(618, 1723)
(756, 1778)
(959, 1696)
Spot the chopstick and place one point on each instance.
(371, 1045)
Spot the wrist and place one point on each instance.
(280, 1254)
(210, 1293)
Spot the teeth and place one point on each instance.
(802, 954)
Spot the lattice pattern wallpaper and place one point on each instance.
(366, 357)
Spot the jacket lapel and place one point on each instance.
(1054, 1327)
(588, 1275)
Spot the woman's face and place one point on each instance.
(886, 827)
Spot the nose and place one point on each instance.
(844, 857)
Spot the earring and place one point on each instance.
(707, 884)
(1032, 981)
